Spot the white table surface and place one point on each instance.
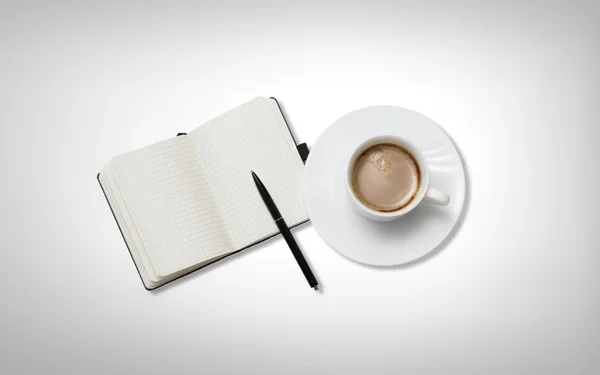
(514, 292)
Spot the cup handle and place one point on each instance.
(437, 197)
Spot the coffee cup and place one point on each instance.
(387, 177)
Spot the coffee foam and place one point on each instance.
(386, 177)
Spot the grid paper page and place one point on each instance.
(125, 222)
(170, 204)
(252, 136)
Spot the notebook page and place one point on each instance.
(134, 242)
(127, 227)
(252, 136)
(169, 202)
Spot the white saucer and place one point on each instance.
(376, 243)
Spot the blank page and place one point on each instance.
(253, 136)
(169, 201)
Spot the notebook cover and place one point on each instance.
(302, 150)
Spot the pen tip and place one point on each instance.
(316, 287)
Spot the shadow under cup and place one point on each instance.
(423, 190)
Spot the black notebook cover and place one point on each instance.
(302, 150)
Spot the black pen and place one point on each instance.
(285, 231)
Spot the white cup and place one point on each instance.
(425, 193)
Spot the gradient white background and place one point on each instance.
(516, 85)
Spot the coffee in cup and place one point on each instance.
(387, 177)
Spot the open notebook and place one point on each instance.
(188, 201)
